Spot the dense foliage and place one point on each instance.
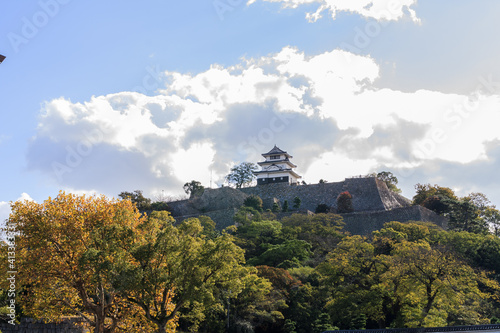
(127, 271)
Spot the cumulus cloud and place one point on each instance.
(324, 109)
(390, 10)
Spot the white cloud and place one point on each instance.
(4, 210)
(334, 166)
(193, 163)
(390, 10)
(322, 108)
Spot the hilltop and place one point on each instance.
(372, 201)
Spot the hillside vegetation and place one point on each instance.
(125, 270)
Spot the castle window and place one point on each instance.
(274, 157)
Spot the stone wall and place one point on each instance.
(364, 223)
(211, 200)
(29, 325)
(374, 204)
(368, 194)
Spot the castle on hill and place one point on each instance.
(277, 168)
(374, 204)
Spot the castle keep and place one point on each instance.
(277, 168)
(373, 203)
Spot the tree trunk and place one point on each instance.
(162, 328)
(99, 325)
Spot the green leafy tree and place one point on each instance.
(159, 206)
(412, 284)
(256, 236)
(433, 284)
(492, 218)
(322, 231)
(245, 214)
(194, 188)
(143, 204)
(182, 264)
(438, 204)
(390, 180)
(464, 215)
(257, 308)
(276, 207)
(285, 206)
(253, 201)
(425, 191)
(242, 175)
(288, 254)
(297, 202)
(322, 209)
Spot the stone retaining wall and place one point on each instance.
(374, 204)
(368, 194)
(365, 223)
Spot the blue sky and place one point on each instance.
(111, 96)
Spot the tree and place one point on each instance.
(390, 180)
(245, 214)
(296, 202)
(194, 188)
(69, 249)
(465, 216)
(179, 264)
(143, 204)
(425, 191)
(434, 285)
(322, 208)
(242, 174)
(253, 201)
(276, 207)
(492, 217)
(255, 236)
(285, 206)
(344, 203)
(413, 284)
(285, 255)
(256, 307)
(438, 204)
(322, 181)
(322, 231)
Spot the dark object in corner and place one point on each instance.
(2, 58)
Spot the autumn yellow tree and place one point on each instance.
(69, 248)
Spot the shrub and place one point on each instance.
(253, 201)
(344, 203)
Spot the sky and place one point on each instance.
(111, 96)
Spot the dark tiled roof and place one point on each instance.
(275, 150)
